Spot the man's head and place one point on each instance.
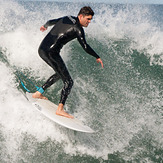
(85, 16)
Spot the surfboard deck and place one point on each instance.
(48, 108)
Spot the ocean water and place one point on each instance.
(123, 102)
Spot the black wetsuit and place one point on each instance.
(65, 29)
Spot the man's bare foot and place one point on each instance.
(39, 95)
(61, 112)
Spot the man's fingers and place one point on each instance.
(42, 28)
(100, 61)
(102, 64)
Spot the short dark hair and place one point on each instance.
(86, 10)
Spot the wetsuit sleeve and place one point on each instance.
(83, 43)
(51, 22)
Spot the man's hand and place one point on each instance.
(100, 61)
(42, 28)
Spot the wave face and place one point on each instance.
(122, 102)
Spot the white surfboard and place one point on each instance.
(48, 108)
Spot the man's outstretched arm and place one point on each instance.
(87, 48)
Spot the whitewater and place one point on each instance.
(123, 102)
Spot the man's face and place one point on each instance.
(85, 20)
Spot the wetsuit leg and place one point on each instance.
(45, 56)
(54, 60)
(61, 69)
(54, 78)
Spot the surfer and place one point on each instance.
(64, 30)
